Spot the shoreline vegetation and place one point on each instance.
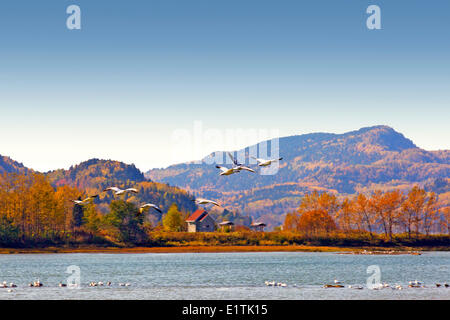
(178, 249)
(223, 249)
(248, 241)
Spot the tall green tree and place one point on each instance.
(91, 218)
(9, 234)
(77, 216)
(123, 216)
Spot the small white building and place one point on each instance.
(226, 225)
(258, 226)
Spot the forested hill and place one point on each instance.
(95, 175)
(358, 161)
(9, 165)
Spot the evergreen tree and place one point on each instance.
(77, 216)
(123, 216)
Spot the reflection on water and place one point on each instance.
(224, 275)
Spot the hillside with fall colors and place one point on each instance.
(94, 175)
(361, 161)
(9, 165)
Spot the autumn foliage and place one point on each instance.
(33, 212)
(386, 213)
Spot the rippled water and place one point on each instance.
(224, 275)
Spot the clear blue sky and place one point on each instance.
(139, 70)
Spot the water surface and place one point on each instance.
(224, 275)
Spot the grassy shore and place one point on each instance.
(199, 249)
(89, 249)
(167, 242)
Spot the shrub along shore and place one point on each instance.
(248, 242)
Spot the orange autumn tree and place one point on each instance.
(346, 216)
(314, 215)
(412, 208)
(291, 221)
(364, 218)
(29, 202)
(316, 222)
(419, 212)
(430, 215)
(385, 206)
(64, 196)
(445, 222)
(30, 205)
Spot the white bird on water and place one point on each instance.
(38, 283)
(205, 201)
(266, 162)
(85, 201)
(118, 191)
(355, 287)
(147, 206)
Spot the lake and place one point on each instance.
(224, 275)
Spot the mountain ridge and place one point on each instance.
(9, 165)
(94, 175)
(362, 160)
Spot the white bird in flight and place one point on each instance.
(266, 162)
(205, 201)
(82, 202)
(148, 205)
(226, 171)
(119, 191)
(239, 166)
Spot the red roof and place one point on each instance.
(198, 215)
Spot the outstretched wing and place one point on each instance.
(134, 190)
(223, 169)
(204, 201)
(149, 205)
(233, 159)
(246, 169)
(89, 198)
(115, 189)
(213, 202)
(259, 160)
(156, 208)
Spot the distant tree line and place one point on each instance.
(387, 213)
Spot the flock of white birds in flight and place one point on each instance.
(224, 171)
